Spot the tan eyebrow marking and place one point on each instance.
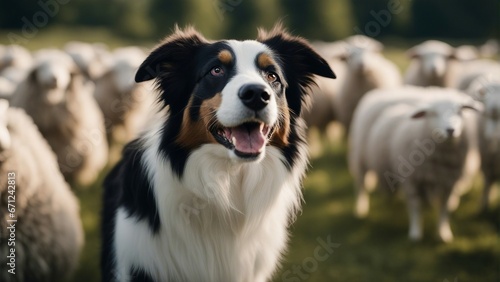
(265, 60)
(225, 57)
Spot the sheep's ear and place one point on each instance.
(74, 69)
(482, 92)
(299, 62)
(343, 56)
(465, 53)
(378, 47)
(419, 114)
(412, 53)
(175, 50)
(31, 76)
(475, 106)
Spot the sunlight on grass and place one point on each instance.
(377, 248)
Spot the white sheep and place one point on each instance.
(331, 50)
(323, 98)
(487, 90)
(93, 59)
(442, 158)
(48, 231)
(366, 70)
(125, 103)
(325, 104)
(472, 70)
(435, 63)
(15, 56)
(15, 62)
(341, 48)
(7, 88)
(427, 145)
(366, 157)
(364, 42)
(490, 48)
(59, 99)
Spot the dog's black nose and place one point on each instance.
(450, 131)
(254, 96)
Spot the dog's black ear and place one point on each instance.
(174, 51)
(299, 60)
(295, 52)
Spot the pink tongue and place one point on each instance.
(248, 140)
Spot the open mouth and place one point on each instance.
(247, 140)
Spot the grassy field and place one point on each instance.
(56, 37)
(377, 248)
(373, 249)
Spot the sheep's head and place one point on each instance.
(15, 56)
(490, 96)
(362, 61)
(444, 115)
(53, 73)
(364, 42)
(93, 60)
(435, 57)
(486, 89)
(126, 62)
(5, 141)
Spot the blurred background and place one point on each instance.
(373, 249)
(150, 20)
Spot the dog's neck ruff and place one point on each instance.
(233, 205)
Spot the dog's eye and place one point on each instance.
(217, 71)
(271, 77)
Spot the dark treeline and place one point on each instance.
(327, 20)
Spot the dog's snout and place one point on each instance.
(254, 96)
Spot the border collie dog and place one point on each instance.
(207, 192)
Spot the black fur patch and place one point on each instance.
(127, 187)
(195, 81)
(296, 138)
(137, 196)
(139, 275)
(299, 63)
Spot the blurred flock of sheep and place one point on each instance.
(427, 133)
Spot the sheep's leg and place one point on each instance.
(414, 210)
(444, 228)
(453, 201)
(488, 183)
(362, 205)
(371, 181)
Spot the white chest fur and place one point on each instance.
(224, 221)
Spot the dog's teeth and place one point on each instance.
(233, 139)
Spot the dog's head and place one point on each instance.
(242, 95)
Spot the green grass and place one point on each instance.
(373, 249)
(90, 210)
(377, 248)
